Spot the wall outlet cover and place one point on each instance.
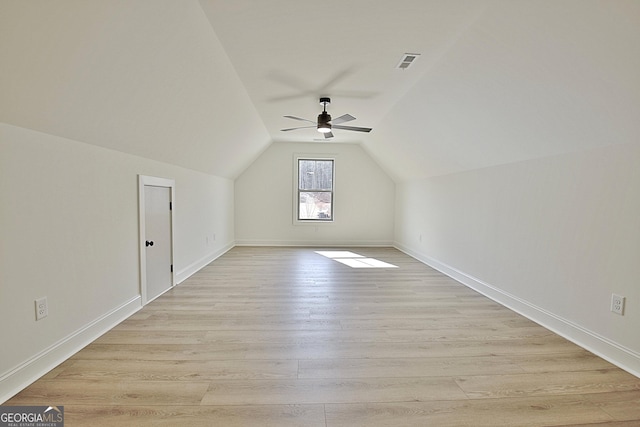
(617, 304)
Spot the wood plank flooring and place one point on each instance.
(287, 337)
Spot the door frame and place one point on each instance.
(144, 180)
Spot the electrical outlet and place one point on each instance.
(617, 304)
(42, 308)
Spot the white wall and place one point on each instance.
(363, 199)
(69, 231)
(551, 238)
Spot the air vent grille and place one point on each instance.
(407, 60)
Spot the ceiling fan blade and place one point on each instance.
(357, 129)
(298, 118)
(290, 80)
(336, 78)
(303, 127)
(342, 119)
(289, 97)
(328, 135)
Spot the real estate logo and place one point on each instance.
(31, 416)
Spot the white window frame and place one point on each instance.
(296, 189)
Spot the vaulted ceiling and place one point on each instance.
(205, 84)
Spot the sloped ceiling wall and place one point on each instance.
(205, 84)
(528, 79)
(146, 77)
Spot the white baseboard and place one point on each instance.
(315, 243)
(196, 266)
(16, 379)
(601, 346)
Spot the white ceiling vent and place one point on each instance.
(407, 60)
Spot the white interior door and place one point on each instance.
(157, 241)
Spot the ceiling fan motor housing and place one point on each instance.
(323, 122)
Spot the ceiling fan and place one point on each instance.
(324, 124)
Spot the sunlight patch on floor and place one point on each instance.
(354, 260)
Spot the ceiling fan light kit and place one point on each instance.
(325, 123)
(324, 127)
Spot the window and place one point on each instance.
(315, 190)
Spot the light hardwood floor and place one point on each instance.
(286, 337)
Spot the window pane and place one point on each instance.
(315, 175)
(315, 205)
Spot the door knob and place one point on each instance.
(148, 243)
